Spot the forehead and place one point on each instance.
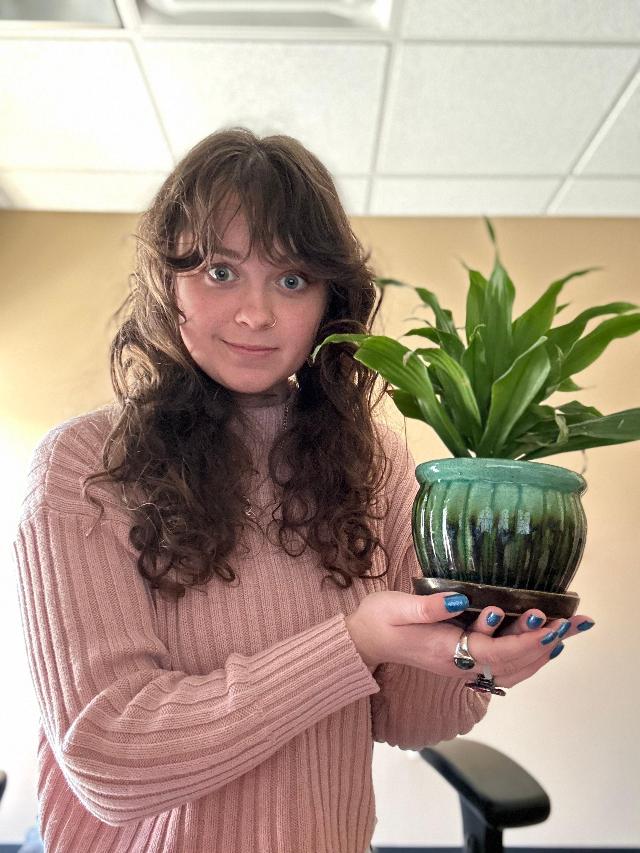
(229, 235)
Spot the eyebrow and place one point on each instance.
(228, 253)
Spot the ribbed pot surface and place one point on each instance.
(499, 522)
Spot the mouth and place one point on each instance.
(246, 348)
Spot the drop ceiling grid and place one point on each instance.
(618, 150)
(504, 110)
(74, 105)
(542, 21)
(64, 190)
(325, 94)
(406, 126)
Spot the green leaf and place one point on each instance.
(585, 351)
(537, 319)
(474, 364)
(498, 305)
(444, 320)
(538, 427)
(556, 360)
(386, 356)
(565, 336)
(533, 416)
(492, 233)
(337, 339)
(475, 302)
(457, 391)
(563, 430)
(392, 282)
(511, 393)
(406, 404)
(624, 426)
(449, 343)
(576, 412)
(617, 428)
(569, 385)
(541, 420)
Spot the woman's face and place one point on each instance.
(232, 305)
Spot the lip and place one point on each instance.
(249, 349)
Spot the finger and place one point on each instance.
(441, 605)
(577, 624)
(511, 679)
(528, 621)
(509, 654)
(488, 621)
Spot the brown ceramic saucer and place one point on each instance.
(554, 605)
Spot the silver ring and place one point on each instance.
(462, 657)
(275, 320)
(485, 683)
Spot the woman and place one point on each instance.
(215, 570)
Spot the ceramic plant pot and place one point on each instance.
(504, 532)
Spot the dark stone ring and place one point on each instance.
(485, 683)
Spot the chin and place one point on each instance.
(251, 385)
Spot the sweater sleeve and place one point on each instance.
(414, 708)
(133, 737)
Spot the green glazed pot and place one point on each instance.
(499, 522)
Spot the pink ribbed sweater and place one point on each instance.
(240, 719)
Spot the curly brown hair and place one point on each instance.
(181, 466)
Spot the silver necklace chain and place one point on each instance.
(248, 508)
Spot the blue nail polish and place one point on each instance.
(534, 621)
(493, 619)
(556, 651)
(584, 626)
(456, 602)
(562, 630)
(549, 638)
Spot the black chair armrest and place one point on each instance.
(497, 789)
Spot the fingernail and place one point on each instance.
(493, 619)
(584, 626)
(549, 638)
(456, 602)
(534, 621)
(556, 651)
(562, 630)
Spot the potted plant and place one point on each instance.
(491, 521)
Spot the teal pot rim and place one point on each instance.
(523, 472)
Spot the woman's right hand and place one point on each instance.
(397, 627)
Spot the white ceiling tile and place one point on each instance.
(508, 110)
(543, 20)
(353, 194)
(105, 192)
(600, 197)
(618, 152)
(326, 95)
(76, 105)
(461, 196)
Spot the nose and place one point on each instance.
(255, 310)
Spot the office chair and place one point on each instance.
(495, 792)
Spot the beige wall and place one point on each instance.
(573, 724)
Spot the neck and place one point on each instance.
(273, 397)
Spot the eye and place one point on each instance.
(294, 281)
(213, 272)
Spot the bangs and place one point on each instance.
(288, 215)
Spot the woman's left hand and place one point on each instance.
(490, 619)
